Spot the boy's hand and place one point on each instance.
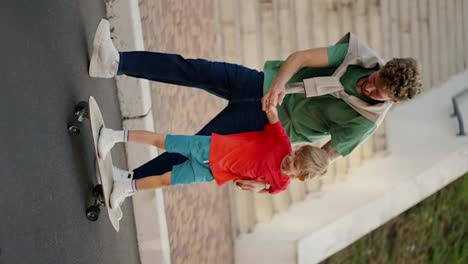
(272, 114)
(250, 185)
(272, 110)
(273, 97)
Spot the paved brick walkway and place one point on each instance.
(198, 216)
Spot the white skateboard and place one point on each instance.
(101, 192)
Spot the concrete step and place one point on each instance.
(354, 160)
(303, 19)
(394, 29)
(442, 38)
(319, 30)
(379, 138)
(285, 22)
(281, 201)
(329, 178)
(435, 71)
(451, 37)
(385, 26)
(341, 167)
(404, 29)
(245, 211)
(334, 32)
(422, 40)
(360, 11)
(263, 206)
(269, 31)
(465, 32)
(297, 191)
(230, 30)
(314, 185)
(250, 31)
(374, 26)
(345, 11)
(459, 47)
(368, 149)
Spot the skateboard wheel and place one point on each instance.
(92, 213)
(74, 128)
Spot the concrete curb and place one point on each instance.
(135, 104)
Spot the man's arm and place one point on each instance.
(332, 154)
(317, 57)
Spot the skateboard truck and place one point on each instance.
(93, 211)
(81, 112)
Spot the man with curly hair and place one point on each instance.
(342, 91)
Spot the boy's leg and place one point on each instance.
(109, 137)
(126, 188)
(222, 79)
(147, 137)
(188, 172)
(153, 182)
(235, 118)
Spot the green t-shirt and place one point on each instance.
(310, 119)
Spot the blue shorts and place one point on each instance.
(197, 150)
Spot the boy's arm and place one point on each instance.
(272, 115)
(252, 185)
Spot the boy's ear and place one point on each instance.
(301, 178)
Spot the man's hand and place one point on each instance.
(250, 185)
(273, 97)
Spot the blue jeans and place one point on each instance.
(241, 86)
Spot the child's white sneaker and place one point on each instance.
(105, 142)
(118, 213)
(121, 175)
(105, 58)
(120, 191)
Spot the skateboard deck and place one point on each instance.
(101, 192)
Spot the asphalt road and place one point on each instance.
(47, 175)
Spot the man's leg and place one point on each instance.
(219, 78)
(225, 80)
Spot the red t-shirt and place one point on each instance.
(251, 156)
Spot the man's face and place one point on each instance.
(373, 87)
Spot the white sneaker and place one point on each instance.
(119, 193)
(105, 58)
(105, 142)
(121, 175)
(119, 213)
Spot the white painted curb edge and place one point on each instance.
(135, 103)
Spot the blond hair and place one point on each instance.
(401, 78)
(311, 161)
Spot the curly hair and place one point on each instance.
(401, 78)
